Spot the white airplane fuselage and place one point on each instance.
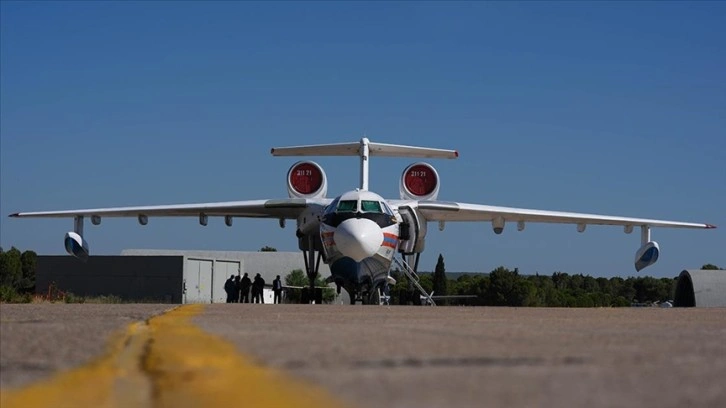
(359, 232)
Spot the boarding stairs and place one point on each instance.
(413, 278)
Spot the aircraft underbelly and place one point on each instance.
(369, 271)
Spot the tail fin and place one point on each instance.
(365, 148)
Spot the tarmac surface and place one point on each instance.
(400, 356)
(38, 340)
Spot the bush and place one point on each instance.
(8, 294)
(71, 298)
(103, 299)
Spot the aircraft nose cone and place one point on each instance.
(358, 238)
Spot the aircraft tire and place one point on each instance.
(374, 297)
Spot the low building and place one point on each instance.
(169, 276)
(701, 288)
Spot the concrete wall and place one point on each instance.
(157, 278)
(701, 288)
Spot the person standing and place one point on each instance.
(257, 287)
(277, 289)
(237, 287)
(229, 288)
(245, 284)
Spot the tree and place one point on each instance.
(297, 277)
(501, 288)
(439, 279)
(710, 267)
(426, 282)
(28, 261)
(560, 279)
(268, 249)
(649, 289)
(399, 291)
(11, 270)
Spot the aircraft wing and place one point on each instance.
(288, 208)
(453, 211)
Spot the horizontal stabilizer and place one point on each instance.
(374, 149)
(392, 150)
(335, 149)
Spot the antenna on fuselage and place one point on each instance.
(364, 149)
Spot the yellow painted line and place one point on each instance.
(169, 362)
(193, 368)
(91, 385)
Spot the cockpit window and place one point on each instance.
(370, 206)
(348, 206)
(332, 206)
(387, 209)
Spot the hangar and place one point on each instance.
(168, 276)
(701, 288)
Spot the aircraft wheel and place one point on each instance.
(374, 297)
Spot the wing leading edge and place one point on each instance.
(283, 208)
(453, 211)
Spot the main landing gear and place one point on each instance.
(312, 253)
(368, 295)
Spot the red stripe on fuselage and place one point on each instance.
(388, 244)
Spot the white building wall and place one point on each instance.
(226, 263)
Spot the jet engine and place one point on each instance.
(419, 181)
(306, 179)
(76, 245)
(647, 255)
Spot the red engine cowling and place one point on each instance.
(306, 179)
(420, 181)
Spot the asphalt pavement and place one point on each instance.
(38, 340)
(407, 356)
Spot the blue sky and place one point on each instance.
(607, 108)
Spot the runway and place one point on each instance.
(359, 356)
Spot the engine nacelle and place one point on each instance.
(647, 255)
(420, 181)
(306, 179)
(76, 245)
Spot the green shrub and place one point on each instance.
(103, 299)
(8, 294)
(71, 298)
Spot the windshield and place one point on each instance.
(348, 206)
(387, 209)
(370, 206)
(332, 206)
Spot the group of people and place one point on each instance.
(238, 289)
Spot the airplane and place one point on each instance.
(358, 232)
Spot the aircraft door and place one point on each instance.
(412, 233)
